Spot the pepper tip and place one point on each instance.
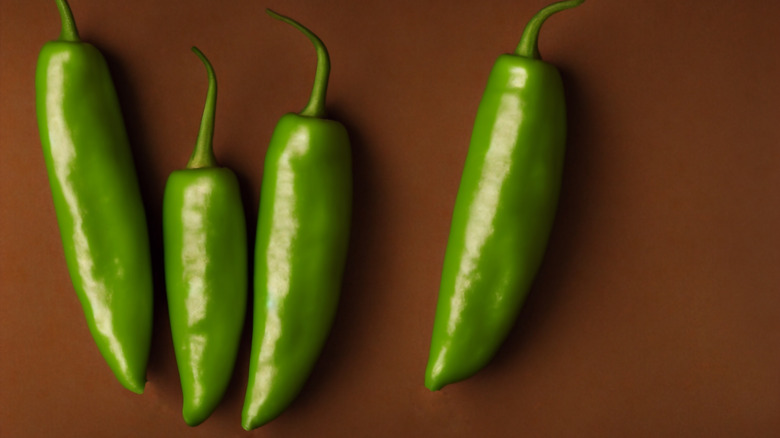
(193, 416)
(135, 386)
(433, 382)
(247, 424)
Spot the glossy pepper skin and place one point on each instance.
(204, 234)
(302, 236)
(97, 199)
(504, 209)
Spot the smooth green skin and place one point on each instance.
(204, 234)
(302, 236)
(97, 200)
(504, 210)
(301, 247)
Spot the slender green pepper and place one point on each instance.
(302, 236)
(504, 209)
(204, 234)
(97, 199)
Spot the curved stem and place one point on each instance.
(316, 105)
(528, 46)
(69, 31)
(203, 155)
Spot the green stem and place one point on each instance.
(203, 155)
(69, 31)
(528, 46)
(316, 105)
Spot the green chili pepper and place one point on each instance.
(97, 199)
(204, 234)
(302, 235)
(504, 209)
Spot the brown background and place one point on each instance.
(657, 310)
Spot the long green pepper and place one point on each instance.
(302, 236)
(97, 199)
(504, 210)
(204, 233)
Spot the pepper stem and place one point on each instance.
(528, 46)
(203, 155)
(69, 31)
(316, 105)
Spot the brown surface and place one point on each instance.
(657, 311)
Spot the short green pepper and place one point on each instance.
(301, 247)
(204, 233)
(97, 199)
(504, 210)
